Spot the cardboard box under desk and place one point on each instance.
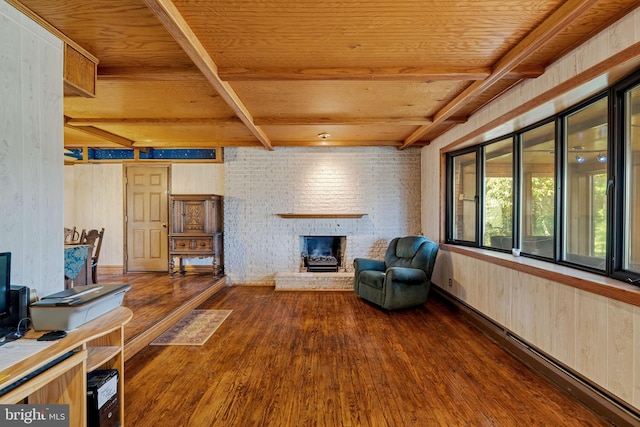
(74, 307)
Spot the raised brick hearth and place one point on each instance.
(314, 281)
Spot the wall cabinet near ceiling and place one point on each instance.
(195, 230)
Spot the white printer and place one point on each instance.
(68, 309)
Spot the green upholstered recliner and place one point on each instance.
(403, 279)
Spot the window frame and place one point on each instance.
(615, 185)
(519, 196)
(562, 207)
(617, 153)
(482, 193)
(450, 219)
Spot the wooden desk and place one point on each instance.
(99, 344)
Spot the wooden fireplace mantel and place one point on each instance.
(321, 215)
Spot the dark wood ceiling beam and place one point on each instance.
(374, 74)
(558, 21)
(175, 23)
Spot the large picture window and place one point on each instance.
(631, 213)
(464, 197)
(563, 190)
(538, 193)
(585, 180)
(498, 194)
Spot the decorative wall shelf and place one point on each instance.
(321, 215)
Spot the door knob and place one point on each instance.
(164, 225)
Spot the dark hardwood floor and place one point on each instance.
(330, 359)
(153, 296)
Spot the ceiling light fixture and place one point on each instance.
(602, 158)
(578, 148)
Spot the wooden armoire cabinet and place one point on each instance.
(195, 230)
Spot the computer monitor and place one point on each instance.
(5, 283)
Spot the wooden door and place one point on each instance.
(146, 220)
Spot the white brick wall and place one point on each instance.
(382, 182)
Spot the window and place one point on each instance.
(538, 193)
(463, 226)
(563, 190)
(585, 195)
(498, 195)
(631, 200)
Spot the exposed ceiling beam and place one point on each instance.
(558, 21)
(53, 30)
(378, 74)
(103, 134)
(614, 67)
(144, 146)
(221, 144)
(287, 74)
(175, 23)
(150, 73)
(409, 121)
(260, 121)
(93, 121)
(343, 143)
(391, 73)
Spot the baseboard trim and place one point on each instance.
(110, 270)
(598, 400)
(195, 269)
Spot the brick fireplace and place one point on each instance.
(322, 266)
(322, 254)
(262, 246)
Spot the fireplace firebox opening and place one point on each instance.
(322, 253)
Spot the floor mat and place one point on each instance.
(193, 329)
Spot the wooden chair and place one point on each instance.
(70, 235)
(93, 238)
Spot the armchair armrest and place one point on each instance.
(406, 275)
(361, 264)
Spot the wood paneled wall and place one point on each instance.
(596, 336)
(31, 177)
(94, 198)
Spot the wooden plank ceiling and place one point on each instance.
(200, 74)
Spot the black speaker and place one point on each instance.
(18, 307)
